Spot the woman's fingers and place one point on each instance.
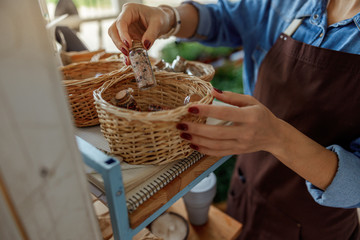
(140, 22)
(126, 24)
(226, 113)
(232, 139)
(235, 99)
(216, 144)
(129, 15)
(115, 37)
(151, 34)
(209, 131)
(243, 107)
(122, 26)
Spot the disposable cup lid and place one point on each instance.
(205, 184)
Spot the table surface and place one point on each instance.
(219, 226)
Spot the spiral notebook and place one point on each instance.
(154, 182)
(140, 181)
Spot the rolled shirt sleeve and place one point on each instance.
(204, 28)
(217, 25)
(344, 191)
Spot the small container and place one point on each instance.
(179, 64)
(192, 98)
(190, 70)
(162, 65)
(170, 225)
(141, 66)
(124, 99)
(198, 200)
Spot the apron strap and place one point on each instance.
(293, 27)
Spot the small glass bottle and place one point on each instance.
(162, 65)
(179, 64)
(141, 66)
(192, 98)
(124, 99)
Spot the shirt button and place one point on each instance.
(316, 16)
(321, 35)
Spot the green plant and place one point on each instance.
(223, 178)
(228, 75)
(194, 51)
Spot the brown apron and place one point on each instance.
(317, 91)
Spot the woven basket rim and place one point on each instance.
(207, 68)
(92, 80)
(172, 115)
(206, 65)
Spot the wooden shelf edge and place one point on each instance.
(160, 198)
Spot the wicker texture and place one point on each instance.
(207, 69)
(80, 80)
(75, 57)
(107, 56)
(149, 137)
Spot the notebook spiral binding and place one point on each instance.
(140, 197)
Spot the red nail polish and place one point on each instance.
(126, 44)
(186, 136)
(147, 44)
(218, 90)
(193, 110)
(124, 51)
(194, 147)
(182, 126)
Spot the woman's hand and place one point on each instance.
(140, 22)
(254, 127)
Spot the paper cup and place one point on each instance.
(199, 198)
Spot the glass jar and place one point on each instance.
(162, 65)
(124, 99)
(141, 66)
(179, 64)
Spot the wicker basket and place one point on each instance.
(81, 56)
(80, 81)
(149, 137)
(107, 56)
(207, 69)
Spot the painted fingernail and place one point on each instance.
(186, 136)
(218, 90)
(147, 44)
(182, 126)
(194, 147)
(193, 110)
(126, 44)
(124, 51)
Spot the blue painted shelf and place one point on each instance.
(110, 170)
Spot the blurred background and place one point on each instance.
(90, 20)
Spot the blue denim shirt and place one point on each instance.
(256, 25)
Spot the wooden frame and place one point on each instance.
(43, 185)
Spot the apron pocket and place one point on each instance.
(261, 221)
(237, 197)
